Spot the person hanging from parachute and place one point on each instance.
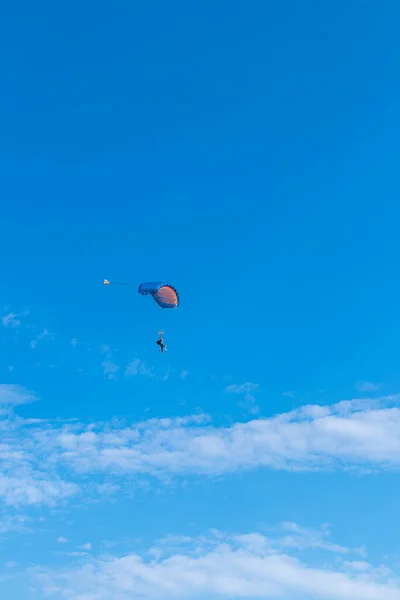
(163, 294)
(166, 297)
(160, 342)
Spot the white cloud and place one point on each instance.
(289, 394)
(219, 566)
(12, 395)
(43, 334)
(27, 473)
(11, 320)
(109, 369)
(249, 404)
(87, 546)
(62, 540)
(367, 386)
(31, 487)
(13, 523)
(301, 538)
(43, 462)
(358, 565)
(244, 388)
(184, 374)
(139, 367)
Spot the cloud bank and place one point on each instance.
(43, 462)
(231, 566)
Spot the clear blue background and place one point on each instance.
(246, 152)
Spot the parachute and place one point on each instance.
(164, 294)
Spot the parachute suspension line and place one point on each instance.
(106, 282)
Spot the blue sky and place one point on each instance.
(247, 153)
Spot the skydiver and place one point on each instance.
(160, 342)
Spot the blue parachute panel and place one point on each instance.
(151, 287)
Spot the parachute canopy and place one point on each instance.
(165, 295)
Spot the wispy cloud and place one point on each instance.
(43, 334)
(139, 367)
(345, 435)
(367, 386)
(221, 565)
(62, 540)
(246, 390)
(108, 365)
(110, 369)
(184, 374)
(26, 473)
(34, 488)
(104, 349)
(13, 395)
(243, 388)
(13, 524)
(11, 320)
(296, 536)
(87, 546)
(42, 462)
